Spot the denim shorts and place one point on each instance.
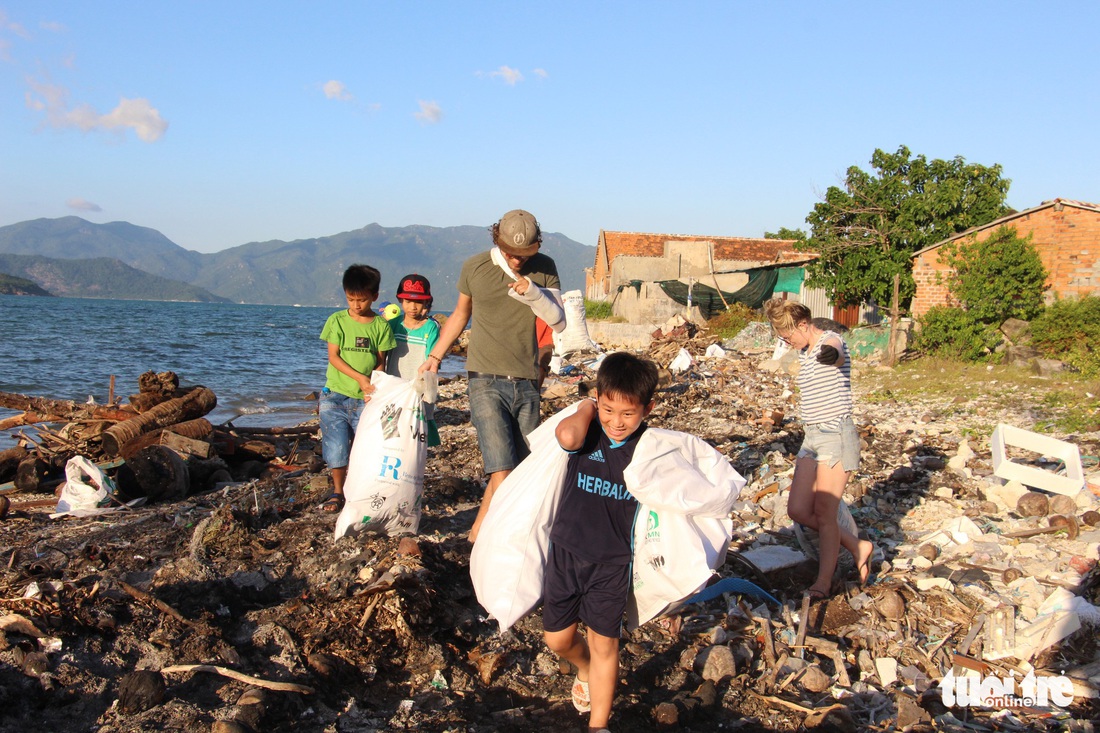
(503, 412)
(832, 442)
(339, 416)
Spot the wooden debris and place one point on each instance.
(240, 677)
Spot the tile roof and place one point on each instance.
(725, 248)
(1010, 217)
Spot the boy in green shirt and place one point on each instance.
(358, 341)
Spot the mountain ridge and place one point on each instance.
(304, 271)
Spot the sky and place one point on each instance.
(223, 123)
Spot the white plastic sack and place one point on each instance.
(575, 337)
(385, 482)
(506, 564)
(715, 350)
(687, 490)
(682, 362)
(87, 489)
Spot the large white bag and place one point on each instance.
(686, 490)
(507, 562)
(385, 482)
(575, 337)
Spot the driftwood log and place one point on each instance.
(196, 403)
(44, 409)
(199, 429)
(9, 461)
(157, 472)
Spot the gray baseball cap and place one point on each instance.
(518, 233)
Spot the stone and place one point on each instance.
(1033, 504)
(141, 690)
(891, 605)
(1062, 504)
(814, 679)
(716, 663)
(667, 715)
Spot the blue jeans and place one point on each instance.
(503, 412)
(339, 417)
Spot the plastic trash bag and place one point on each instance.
(682, 362)
(385, 483)
(87, 489)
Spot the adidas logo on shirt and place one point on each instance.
(597, 456)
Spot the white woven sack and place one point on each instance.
(385, 482)
(575, 336)
(506, 564)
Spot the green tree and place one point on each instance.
(785, 233)
(998, 277)
(866, 232)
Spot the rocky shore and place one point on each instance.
(234, 609)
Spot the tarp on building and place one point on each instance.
(759, 288)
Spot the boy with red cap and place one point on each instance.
(416, 335)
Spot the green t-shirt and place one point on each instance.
(360, 344)
(502, 333)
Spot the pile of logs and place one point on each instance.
(160, 442)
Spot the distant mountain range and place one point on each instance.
(71, 256)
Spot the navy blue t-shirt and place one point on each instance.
(595, 518)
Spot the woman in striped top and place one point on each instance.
(830, 450)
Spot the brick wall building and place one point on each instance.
(1065, 233)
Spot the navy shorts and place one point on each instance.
(577, 590)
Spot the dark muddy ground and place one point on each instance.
(386, 633)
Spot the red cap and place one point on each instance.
(414, 287)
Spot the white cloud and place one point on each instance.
(430, 112)
(52, 26)
(540, 73)
(336, 90)
(138, 115)
(510, 76)
(12, 27)
(80, 204)
(135, 114)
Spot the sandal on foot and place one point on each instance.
(815, 595)
(333, 503)
(581, 701)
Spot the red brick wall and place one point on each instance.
(1068, 243)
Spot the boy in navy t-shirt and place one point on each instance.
(587, 576)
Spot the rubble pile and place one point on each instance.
(234, 609)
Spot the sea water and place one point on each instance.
(265, 363)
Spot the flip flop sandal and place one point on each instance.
(333, 503)
(581, 701)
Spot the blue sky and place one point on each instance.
(221, 123)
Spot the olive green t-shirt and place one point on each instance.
(502, 332)
(360, 344)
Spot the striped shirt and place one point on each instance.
(826, 391)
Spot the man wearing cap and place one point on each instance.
(503, 290)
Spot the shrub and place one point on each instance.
(954, 333)
(597, 310)
(729, 323)
(997, 278)
(1070, 330)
